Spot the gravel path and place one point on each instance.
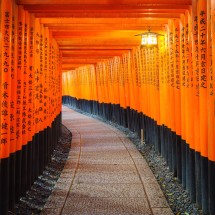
(36, 198)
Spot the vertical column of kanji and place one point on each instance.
(59, 84)
(52, 91)
(131, 91)
(45, 86)
(161, 93)
(195, 59)
(30, 92)
(168, 107)
(41, 87)
(134, 89)
(166, 98)
(136, 83)
(50, 88)
(172, 98)
(148, 99)
(126, 88)
(155, 88)
(203, 68)
(177, 92)
(52, 85)
(157, 92)
(24, 109)
(41, 98)
(19, 95)
(146, 93)
(152, 96)
(122, 92)
(143, 89)
(55, 89)
(53, 95)
(25, 79)
(6, 28)
(58, 80)
(152, 93)
(141, 93)
(139, 68)
(183, 78)
(13, 107)
(186, 99)
(211, 108)
(45, 96)
(58, 92)
(190, 123)
(36, 81)
(58, 108)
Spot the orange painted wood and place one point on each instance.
(104, 2)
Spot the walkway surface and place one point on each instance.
(104, 174)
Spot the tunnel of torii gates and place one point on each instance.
(85, 53)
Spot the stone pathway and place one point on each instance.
(104, 174)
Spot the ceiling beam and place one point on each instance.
(104, 2)
(108, 7)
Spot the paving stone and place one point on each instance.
(105, 160)
(111, 206)
(106, 178)
(105, 168)
(107, 191)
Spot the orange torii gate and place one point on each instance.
(165, 93)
